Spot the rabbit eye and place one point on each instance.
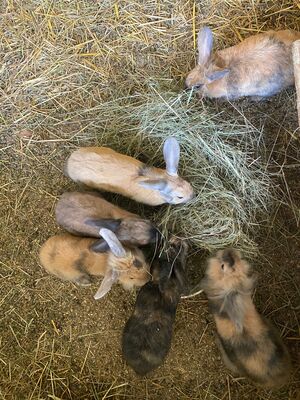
(222, 266)
(198, 86)
(137, 263)
(180, 197)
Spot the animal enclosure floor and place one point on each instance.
(56, 341)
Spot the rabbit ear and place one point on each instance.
(205, 44)
(180, 276)
(171, 155)
(111, 276)
(113, 242)
(164, 271)
(108, 223)
(214, 76)
(154, 184)
(235, 309)
(158, 184)
(99, 246)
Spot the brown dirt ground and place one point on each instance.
(58, 343)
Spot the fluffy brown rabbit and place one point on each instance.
(148, 332)
(85, 213)
(250, 345)
(105, 169)
(260, 66)
(70, 258)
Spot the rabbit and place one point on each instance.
(147, 334)
(76, 259)
(260, 66)
(86, 213)
(104, 168)
(249, 344)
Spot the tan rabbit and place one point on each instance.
(105, 169)
(75, 259)
(85, 213)
(249, 344)
(260, 66)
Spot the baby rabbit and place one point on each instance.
(260, 66)
(105, 169)
(148, 332)
(249, 344)
(86, 213)
(71, 258)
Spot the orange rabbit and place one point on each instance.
(76, 259)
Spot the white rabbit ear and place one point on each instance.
(171, 155)
(205, 45)
(113, 242)
(161, 185)
(219, 74)
(154, 184)
(109, 279)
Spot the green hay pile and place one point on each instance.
(218, 157)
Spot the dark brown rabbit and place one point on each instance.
(148, 332)
(85, 213)
(250, 345)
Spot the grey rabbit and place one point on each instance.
(85, 213)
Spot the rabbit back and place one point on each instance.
(75, 209)
(259, 66)
(148, 332)
(101, 168)
(260, 355)
(105, 169)
(69, 258)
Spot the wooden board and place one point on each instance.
(296, 62)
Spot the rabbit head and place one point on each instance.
(127, 266)
(228, 285)
(172, 188)
(227, 272)
(210, 68)
(137, 231)
(168, 271)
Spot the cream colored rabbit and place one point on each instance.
(260, 66)
(105, 169)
